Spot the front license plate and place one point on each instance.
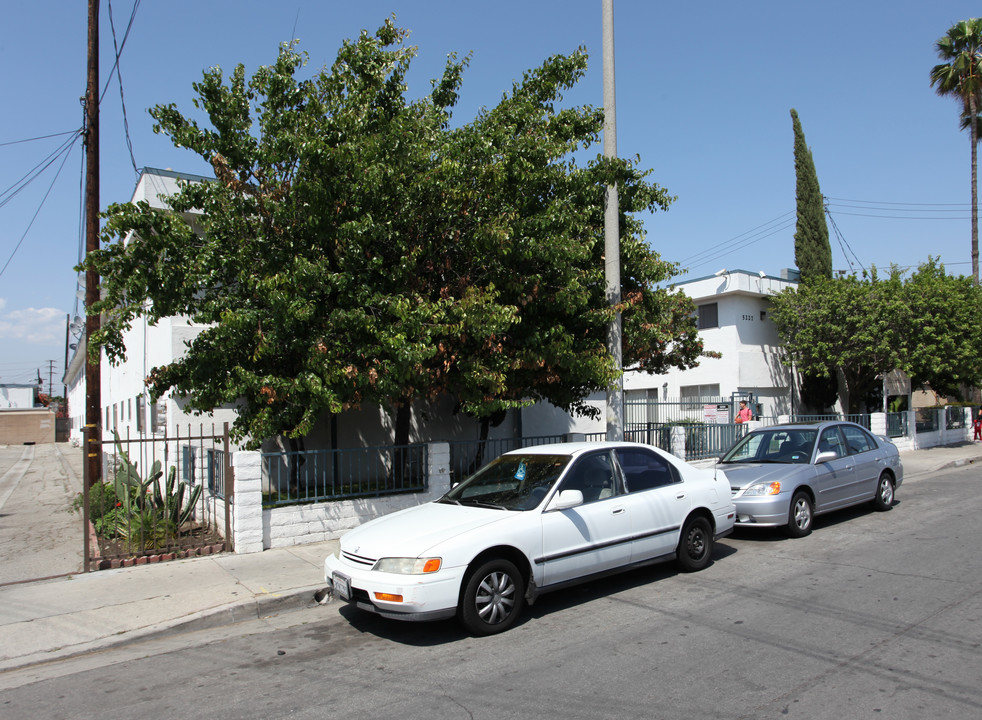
(342, 586)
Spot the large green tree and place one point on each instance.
(960, 77)
(852, 328)
(355, 248)
(944, 333)
(860, 328)
(812, 252)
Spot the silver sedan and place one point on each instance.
(784, 475)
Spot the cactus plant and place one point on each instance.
(156, 510)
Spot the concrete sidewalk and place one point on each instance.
(53, 619)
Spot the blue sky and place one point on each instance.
(704, 92)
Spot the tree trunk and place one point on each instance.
(404, 417)
(297, 461)
(973, 132)
(482, 443)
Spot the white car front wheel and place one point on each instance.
(492, 598)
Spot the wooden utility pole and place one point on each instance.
(93, 369)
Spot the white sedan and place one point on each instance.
(534, 520)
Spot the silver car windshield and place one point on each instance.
(511, 482)
(775, 445)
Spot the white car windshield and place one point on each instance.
(776, 445)
(512, 482)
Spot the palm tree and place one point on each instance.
(961, 77)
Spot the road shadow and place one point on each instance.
(443, 632)
(827, 520)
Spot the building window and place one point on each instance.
(699, 393)
(141, 411)
(708, 316)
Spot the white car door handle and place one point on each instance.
(617, 511)
(680, 496)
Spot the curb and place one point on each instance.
(256, 608)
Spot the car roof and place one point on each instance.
(573, 448)
(808, 425)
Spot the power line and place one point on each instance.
(883, 202)
(32, 174)
(741, 241)
(119, 51)
(122, 101)
(39, 137)
(843, 243)
(900, 217)
(38, 211)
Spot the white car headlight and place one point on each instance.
(408, 566)
(762, 488)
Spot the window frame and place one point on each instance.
(673, 472)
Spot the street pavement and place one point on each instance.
(60, 617)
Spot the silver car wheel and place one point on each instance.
(801, 515)
(495, 597)
(492, 597)
(884, 493)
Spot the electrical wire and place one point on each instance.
(31, 175)
(36, 212)
(122, 100)
(741, 241)
(122, 45)
(911, 211)
(843, 243)
(39, 137)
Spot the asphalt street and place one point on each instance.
(874, 615)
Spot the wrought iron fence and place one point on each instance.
(149, 506)
(897, 424)
(863, 419)
(925, 420)
(954, 416)
(711, 440)
(468, 456)
(318, 475)
(702, 440)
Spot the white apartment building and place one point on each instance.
(732, 308)
(126, 403)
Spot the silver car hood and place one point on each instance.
(741, 475)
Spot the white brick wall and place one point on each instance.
(256, 529)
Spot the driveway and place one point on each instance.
(40, 536)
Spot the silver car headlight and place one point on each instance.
(408, 566)
(762, 488)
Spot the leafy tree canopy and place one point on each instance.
(926, 325)
(355, 248)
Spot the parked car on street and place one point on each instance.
(534, 520)
(788, 474)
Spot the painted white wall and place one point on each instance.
(17, 396)
(746, 338)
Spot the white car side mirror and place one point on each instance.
(566, 499)
(824, 457)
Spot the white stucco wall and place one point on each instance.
(745, 337)
(17, 396)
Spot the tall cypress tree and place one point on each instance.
(812, 252)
